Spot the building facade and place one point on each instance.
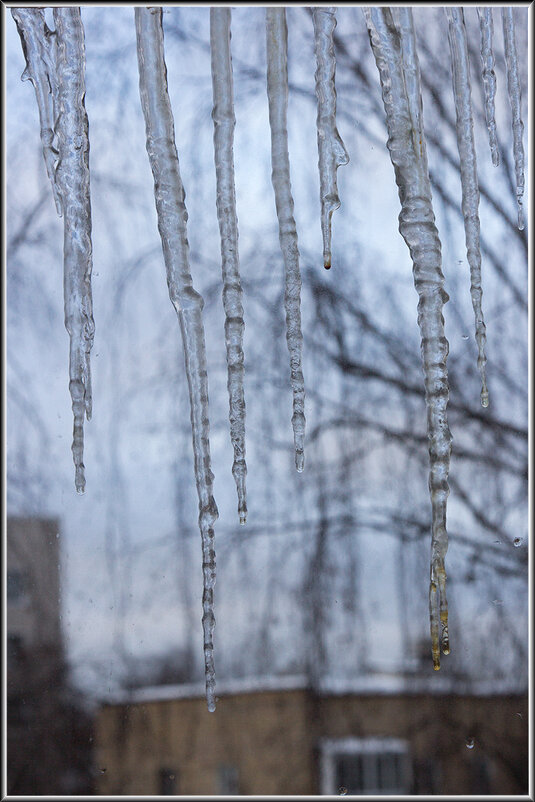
(282, 738)
(48, 748)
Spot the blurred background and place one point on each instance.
(324, 591)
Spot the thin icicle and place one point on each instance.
(469, 182)
(277, 87)
(417, 226)
(224, 123)
(172, 218)
(38, 45)
(72, 175)
(331, 149)
(515, 99)
(489, 77)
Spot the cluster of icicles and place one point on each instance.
(55, 63)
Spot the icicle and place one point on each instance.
(224, 123)
(55, 63)
(277, 85)
(417, 226)
(332, 152)
(172, 217)
(469, 182)
(73, 181)
(489, 77)
(38, 45)
(515, 99)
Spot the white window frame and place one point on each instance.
(332, 748)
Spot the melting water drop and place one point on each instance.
(517, 542)
(342, 790)
(470, 743)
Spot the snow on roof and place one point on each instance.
(392, 683)
(160, 693)
(377, 683)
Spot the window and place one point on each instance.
(16, 587)
(227, 780)
(168, 782)
(370, 766)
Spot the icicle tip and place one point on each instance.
(445, 638)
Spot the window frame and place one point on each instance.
(333, 748)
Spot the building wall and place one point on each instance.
(440, 730)
(274, 738)
(265, 736)
(33, 555)
(48, 732)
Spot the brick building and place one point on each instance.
(385, 735)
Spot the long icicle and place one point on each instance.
(489, 77)
(277, 87)
(55, 64)
(469, 183)
(72, 130)
(172, 218)
(224, 123)
(417, 226)
(38, 45)
(331, 149)
(515, 99)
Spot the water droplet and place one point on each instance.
(57, 534)
(470, 743)
(519, 715)
(497, 601)
(465, 336)
(517, 542)
(103, 771)
(342, 790)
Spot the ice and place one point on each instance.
(277, 86)
(172, 218)
(470, 188)
(397, 62)
(489, 77)
(55, 64)
(515, 99)
(224, 123)
(38, 45)
(332, 152)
